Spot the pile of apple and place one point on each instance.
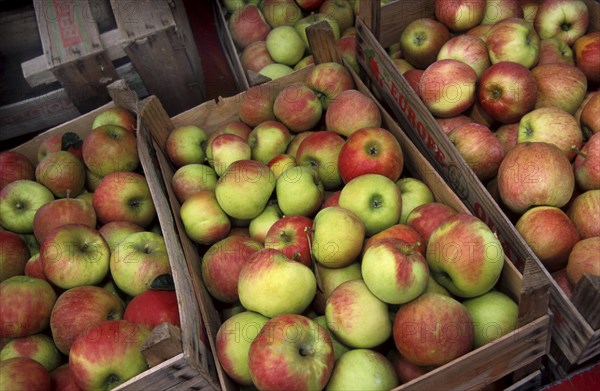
(514, 85)
(331, 267)
(271, 34)
(79, 251)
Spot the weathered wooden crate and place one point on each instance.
(179, 357)
(511, 355)
(148, 43)
(573, 334)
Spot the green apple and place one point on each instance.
(233, 343)
(259, 226)
(39, 347)
(116, 231)
(315, 18)
(233, 5)
(356, 316)
(321, 150)
(267, 140)
(375, 199)
(434, 287)
(299, 191)
(272, 284)
(110, 148)
(225, 149)
(281, 12)
(275, 70)
(330, 278)
(338, 236)
(494, 314)
(138, 260)
(465, 256)
(245, 188)
(363, 369)
(395, 273)
(192, 178)
(285, 45)
(340, 10)
(19, 201)
(338, 347)
(414, 193)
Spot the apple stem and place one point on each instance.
(413, 247)
(578, 151)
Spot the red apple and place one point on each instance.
(309, 5)
(116, 116)
(587, 55)
(421, 41)
(350, 111)
(507, 91)
(497, 10)
(290, 236)
(256, 56)
(321, 150)
(14, 254)
(587, 165)
(555, 51)
(298, 107)
(13, 166)
(447, 124)
(413, 77)
(560, 276)
(191, 178)
(34, 267)
(584, 259)
(406, 370)
(60, 212)
(152, 308)
(247, 24)
(331, 199)
(347, 48)
(62, 173)
(468, 49)
(115, 231)
(329, 79)
(507, 135)
(110, 148)
(583, 206)
(458, 15)
(61, 141)
(590, 121)
(425, 218)
(515, 40)
(23, 373)
(63, 379)
(559, 85)
(256, 105)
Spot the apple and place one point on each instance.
(465, 256)
(120, 341)
(356, 317)
(530, 8)
(330, 278)
(91, 180)
(328, 80)
(61, 141)
(583, 206)
(256, 56)
(14, 254)
(555, 51)
(421, 41)
(405, 370)
(587, 165)
(478, 115)
(116, 116)
(115, 231)
(78, 308)
(480, 31)
(402, 65)
(23, 373)
(281, 12)
(152, 308)
(507, 91)
(446, 97)
(272, 284)
(337, 237)
(583, 259)
(309, 5)
(587, 55)
(305, 62)
(191, 178)
(14, 166)
(62, 173)
(62, 378)
(525, 179)
(256, 105)
(566, 20)
(497, 10)
(375, 199)
(26, 306)
(137, 261)
(338, 347)
(299, 191)
(507, 135)
(304, 360)
(244, 189)
(371, 151)
(34, 267)
(339, 10)
(110, 148)
(232, 5)
(39, 347)
(297, 107)
(233, 340)
(459, 16)
(494, 314)
(468, 49)
(482, 151)
(124, 196)
(352, 110)
(554, 126)
(347, 47)
(590, 124)
(19, 201)
(515, 40)
(280, 163)
(414, 193)
(60, 212)
(426, 218)
(393, 271)
(313, 19)
(411, 238)
(447, 124)
(321, 150)
(225, 149)
(275, 71)
(204, 220)
(247, 24)
(433, 330)
(289, 235)
(560, 85)
(363, 369)
(186, 145)
(259, 226)
(285, 46)
(75, 255)
(267, 140)
(550, 234)
(297, 139)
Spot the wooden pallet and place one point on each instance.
(151, 46)
(379, 27)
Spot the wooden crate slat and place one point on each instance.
(586, 296)
(137, 19)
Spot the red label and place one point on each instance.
(70, 34)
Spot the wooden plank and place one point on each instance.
(138, 19)
(20, 23)
(322, 43)
(586, 296)
(163, 343)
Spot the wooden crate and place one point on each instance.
(379, 27)
(505, 356)
(187, 363)
(148, 43)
